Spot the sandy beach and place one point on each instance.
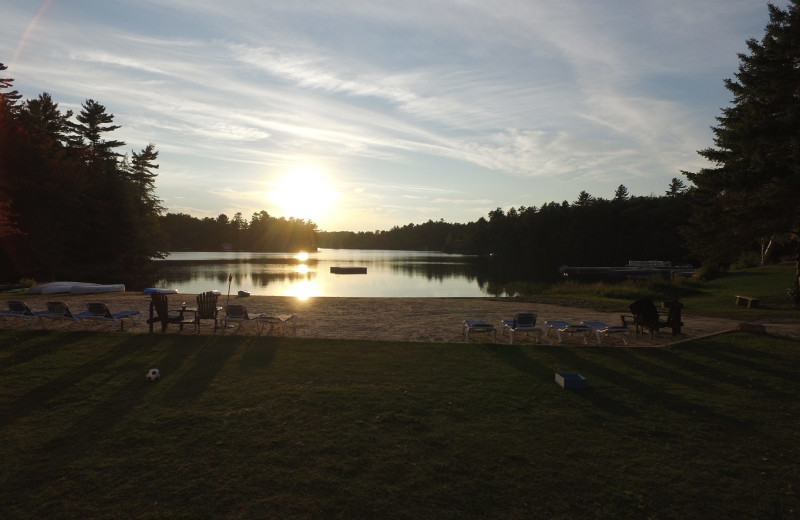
(397, 319)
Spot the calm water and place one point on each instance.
(389, 273)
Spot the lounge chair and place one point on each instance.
(99, 313)
(602, 329)
(206, 309)
(563, 328)
(19, 310)
(237, 313)
(522, 322)
(477, 325)
(59, 311)
(165, 316)
(281, 320)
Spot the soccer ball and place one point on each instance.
(153, 374)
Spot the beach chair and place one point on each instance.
(477, 326)
(522, 322)
(645, 316)
(564, 328)
(160, 305)
(280, 320)
(237, 314)
(206, 309)
(99, 313)
(60, 312)
(19, 310)
(602, 329)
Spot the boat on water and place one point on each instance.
(348, 270)
(243, 293)
(75, 288)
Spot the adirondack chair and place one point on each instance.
(163, 315)
(207, 309)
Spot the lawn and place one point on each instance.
(248, 427)
(710, 298)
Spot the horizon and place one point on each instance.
(365, 116)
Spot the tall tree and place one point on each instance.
(753, 191)
(93, 123)
(676, 187)
(9, 98)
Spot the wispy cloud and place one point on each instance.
(410, 107)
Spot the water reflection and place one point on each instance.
(389, 274)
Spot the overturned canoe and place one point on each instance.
(75, 288)
(349, 270)
(92, 288)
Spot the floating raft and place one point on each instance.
(349, 270)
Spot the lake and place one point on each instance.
(389, 273)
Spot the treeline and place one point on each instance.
(262, 233)
(72, 205)
(69, 201)
(589, 231)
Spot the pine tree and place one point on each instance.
(753, 192)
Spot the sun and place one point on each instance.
(303, 193)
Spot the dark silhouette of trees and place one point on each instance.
(264, 233)
(70, 204)
(751, 196)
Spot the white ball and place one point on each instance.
(153, 374)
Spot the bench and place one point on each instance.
(747, 301)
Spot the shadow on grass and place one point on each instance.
(191, 366)
(40, 396)
(34, 345)
(657, 392)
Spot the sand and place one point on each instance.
(399, 319)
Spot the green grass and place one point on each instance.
(247, 427)
(713, 298)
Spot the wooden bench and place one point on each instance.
(747, 301)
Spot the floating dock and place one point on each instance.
(349, 270)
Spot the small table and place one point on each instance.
(477, 325)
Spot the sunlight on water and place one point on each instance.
(303, 290)
(389, 273)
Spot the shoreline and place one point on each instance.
(429, 319)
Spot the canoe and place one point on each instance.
(94, 288)
(75, 288)
(349, 270)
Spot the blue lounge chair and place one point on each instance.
(522, 322)
(59, 311)
(602, 329)
(99, 313)
(19, 310)
(477, 325)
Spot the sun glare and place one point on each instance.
(303, 193)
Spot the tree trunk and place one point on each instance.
(766, 249)
(794, 292)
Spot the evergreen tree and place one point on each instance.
(753, 191)
(676, 187)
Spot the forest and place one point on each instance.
(72, 204)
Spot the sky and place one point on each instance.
(362, 115)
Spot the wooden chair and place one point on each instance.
(159, 303)
(206, 309)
